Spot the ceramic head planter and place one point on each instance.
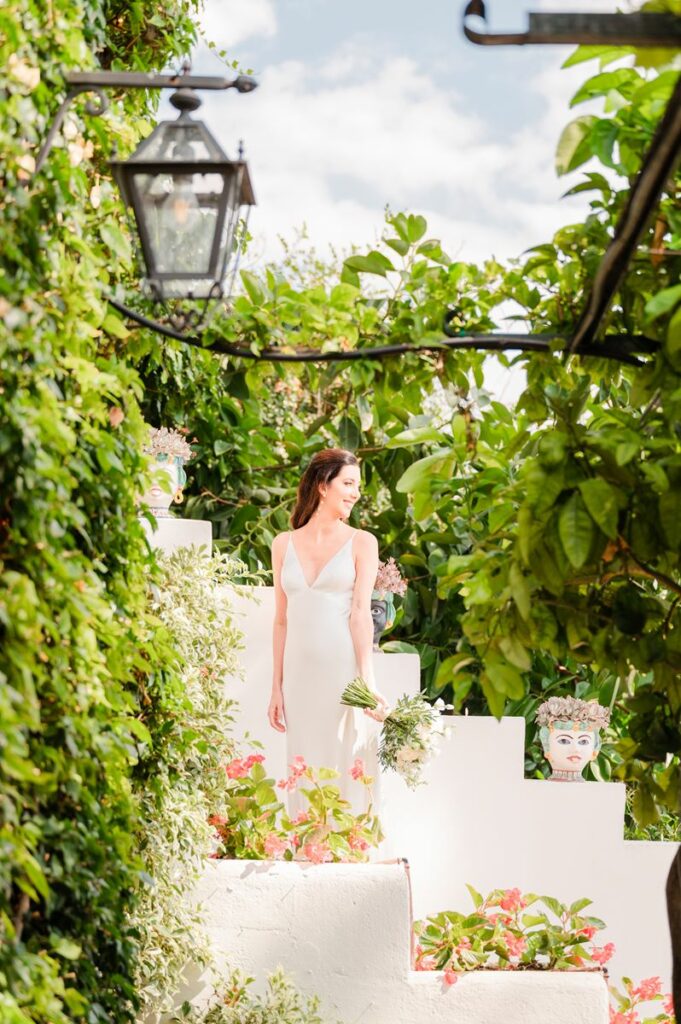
(569, 730)
(170, 451)
(388, 583)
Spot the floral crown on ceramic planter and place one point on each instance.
(573, 709)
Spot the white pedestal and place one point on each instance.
(170, 534)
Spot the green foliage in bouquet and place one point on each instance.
(410, 732)
(507, 929)
(281, 1003)
(254, 824)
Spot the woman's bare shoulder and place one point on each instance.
(366, 541)
(280, 541)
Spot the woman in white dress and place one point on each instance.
(324, 572)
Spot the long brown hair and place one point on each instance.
(323, 468)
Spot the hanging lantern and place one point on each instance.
(186, 196)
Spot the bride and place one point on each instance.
(324, 573)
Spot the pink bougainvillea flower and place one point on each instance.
(668, 1004)
(356, 842)
(515, 944)
(601, 954)
(425, 963)
(648, 989)
(357, 770)
(317, 853)
(451, 977)
(494, 919)
(253, 759)
(512, 900)
(236, 768)
(589, 930)
(217, 819)
(296, 769)
(300, 818)
(275, 846)
(464, 944)
(622, 1018)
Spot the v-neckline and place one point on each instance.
(310, 586)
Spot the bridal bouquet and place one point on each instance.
(410, 733)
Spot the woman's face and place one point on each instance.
(342, 492)
(570, 749)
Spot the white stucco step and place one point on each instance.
(343, 931)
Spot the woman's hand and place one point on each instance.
(275, 712)
(380, 713)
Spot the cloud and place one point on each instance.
(227, 23)
(330, 143)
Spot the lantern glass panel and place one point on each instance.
(187, 226)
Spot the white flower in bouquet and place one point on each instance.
(410, 733)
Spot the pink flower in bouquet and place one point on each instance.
(515, 944)
(300, 818)
(589, 930)
(601, 954)
(217, 820)
(451, 977)
(357, 770)
(317, 853)
(275, 846)
(668, 1004)
(512, 900)
(648, 989)
(464, 944)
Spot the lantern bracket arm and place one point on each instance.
(92, 107)
(582, 28)
(97, 81)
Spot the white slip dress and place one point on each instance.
(319, 662)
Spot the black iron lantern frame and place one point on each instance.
(180, 169)
(185, 195)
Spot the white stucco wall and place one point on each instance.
(478, 820)
(343, 931)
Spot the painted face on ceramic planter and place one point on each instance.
(569, 746)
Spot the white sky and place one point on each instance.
(363, 104)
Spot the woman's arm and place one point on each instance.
(361, 622)
(275, 712)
